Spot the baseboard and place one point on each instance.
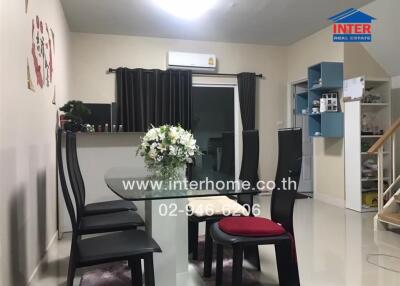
(329, 200)
(35, 271)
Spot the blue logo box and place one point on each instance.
(352, 37)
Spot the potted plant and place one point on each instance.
(74, 111)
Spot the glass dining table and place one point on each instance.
(166, 215)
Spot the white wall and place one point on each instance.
(395, 116)
(396, 82)
(27, 150)
(315, 48)
(93, 54)
(359, 62)
(328, 153)
(2, 101)
(385, 43)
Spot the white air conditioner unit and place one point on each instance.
(192, 61)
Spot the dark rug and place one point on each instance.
(118, 274)
(113, 274)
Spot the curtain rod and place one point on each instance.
(110, 70)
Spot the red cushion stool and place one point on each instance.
(250, 226)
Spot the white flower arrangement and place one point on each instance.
(167, 149)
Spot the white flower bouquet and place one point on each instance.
(167, 149)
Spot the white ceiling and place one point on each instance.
(273, 22)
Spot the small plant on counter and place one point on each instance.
(74, 112)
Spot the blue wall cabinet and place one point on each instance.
(314, 125)
(332, 124)
(325, 77)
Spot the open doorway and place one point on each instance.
(299, 120)
(213, 125)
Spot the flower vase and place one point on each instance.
(169, 173)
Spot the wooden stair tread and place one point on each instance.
(397, 198)
(390, 217)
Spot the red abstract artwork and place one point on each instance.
(42, 52)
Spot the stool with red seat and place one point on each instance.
(243, 232)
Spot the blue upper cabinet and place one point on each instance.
(324, 81)
(332, 124)
(325, 75)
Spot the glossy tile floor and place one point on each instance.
(333, 247)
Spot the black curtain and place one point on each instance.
(156, 97)
(247, 99)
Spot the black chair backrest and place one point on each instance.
(72, 172)
(250, 160)
(289, 170)
(228, 153)
(78, 173)
(250, 157)
(289, 157)
(63, 182)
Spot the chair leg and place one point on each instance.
(195, 240)
(136, 272)
(149, 270)
(252, 256)
(190, 236)
(237, 265)
(286, 261)
(71, 269)
(208, 250)
(219, 268)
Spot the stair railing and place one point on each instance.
(390, 134)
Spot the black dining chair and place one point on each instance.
(129, 245)
(249, 172)
(91, 224)
(93, 208)
(242, 232)
(228, 153)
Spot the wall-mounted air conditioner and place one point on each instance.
(192, 61)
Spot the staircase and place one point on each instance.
(388, 199)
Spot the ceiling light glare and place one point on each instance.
(186, 9)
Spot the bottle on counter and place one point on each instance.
(114, 128)
(121, 128)
(99, 128)
(106, 127)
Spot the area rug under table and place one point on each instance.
(119, 274)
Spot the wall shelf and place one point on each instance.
(374, 154)
(373, 179)
(325, 75)
(370, 136)
(375, 104)
(302, 103)
(303, 93)
(369, 209)
(322, 78)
